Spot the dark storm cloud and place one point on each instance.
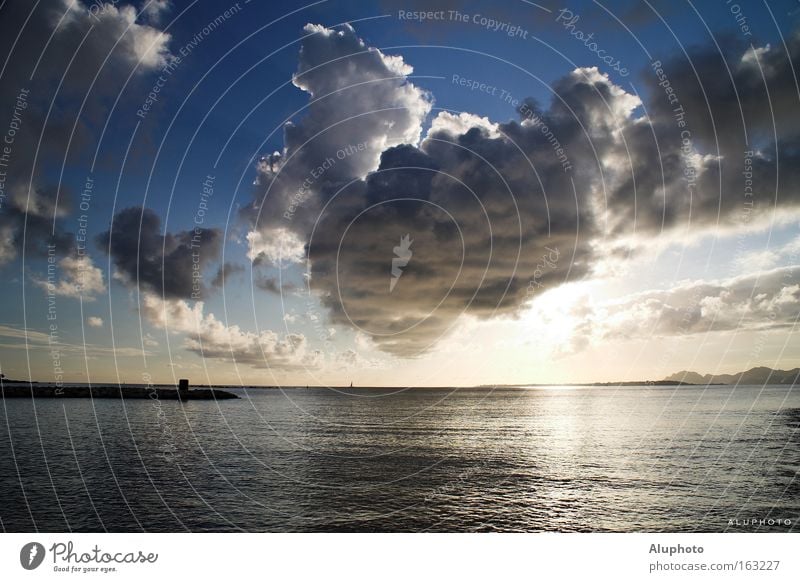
(496, 215)
(743, 87)
(60, 44)
(34, 221)
(497, 212)
(163, 264)
(731, 113)
(65, 44)
(484, 226)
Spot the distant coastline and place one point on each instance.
(754, 376)
(604, 384)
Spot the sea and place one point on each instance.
(528, 459)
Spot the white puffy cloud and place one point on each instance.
(115, 23)
(767, 300)
(279, 246)
(94, 321)
(460, 124)
(79, 278)
(361, 103)
(209, 337)
(347, 79)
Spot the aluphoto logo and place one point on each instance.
(402, 256)
(31, 555)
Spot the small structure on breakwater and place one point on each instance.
(183, 389)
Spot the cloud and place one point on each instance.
(721, 106)
(225, 271)
(95, 37)
(753, 90)
(80, 278)
(34, 220)
(361, 103)
(446, 122)
(351, 359)
(480, 229)
(7, 248)
(40, 341)
(87, 51)
(273, 285)
(154, 10)
(95, 321)
(498, 209)
(169, 265)
(767, 300)
(114, 31)
(208, 337)
(278, 246)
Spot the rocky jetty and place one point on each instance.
(40, 391)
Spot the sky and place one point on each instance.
(397, 193)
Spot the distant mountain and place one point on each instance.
(759, 375)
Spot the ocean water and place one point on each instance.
(538, 459)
